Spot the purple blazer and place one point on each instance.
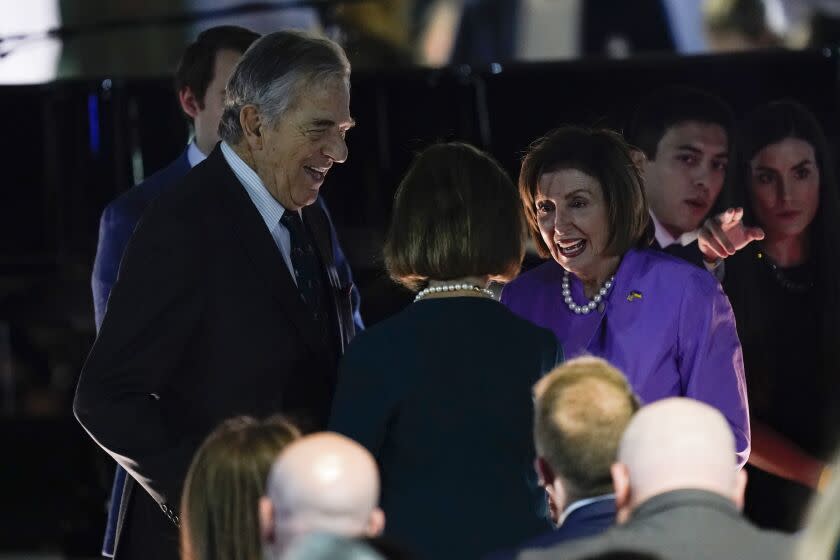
(665, 323)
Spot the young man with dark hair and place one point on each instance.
(684, 141)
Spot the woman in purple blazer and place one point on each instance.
(665, 323)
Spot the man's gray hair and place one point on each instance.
(272, 72)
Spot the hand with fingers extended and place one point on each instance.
(725, 234)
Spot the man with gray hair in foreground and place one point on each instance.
(678, 492)
(322, 483)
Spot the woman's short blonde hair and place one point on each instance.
(219, 505)
(456, 214)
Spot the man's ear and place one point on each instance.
(740, 488)
(251, 122)
(190, 103)
(266, 513)
(544, 471)
(376, 523)
(639, 158)
(621, 485)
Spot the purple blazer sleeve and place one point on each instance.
(710, 357)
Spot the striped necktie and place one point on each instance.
(306, 264)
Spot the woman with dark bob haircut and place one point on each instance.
(663, 322)
(785, 291)
(441, 393)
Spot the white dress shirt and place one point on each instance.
(581, 503)
(268, 207)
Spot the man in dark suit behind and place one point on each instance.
(580, 412)
(200, 80)
(678, 492)
(227, 300)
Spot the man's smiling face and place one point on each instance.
(298, 151)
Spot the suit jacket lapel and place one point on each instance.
(257, 242)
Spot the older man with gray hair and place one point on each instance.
(321, 483)
(678, 492)
(227, 300)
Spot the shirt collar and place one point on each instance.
(194, 154)
(665, 239)
(574, 506)
(268, 207)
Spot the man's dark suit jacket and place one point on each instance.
(591, 519)
(118, 221)
(690, 524)
(204, 323)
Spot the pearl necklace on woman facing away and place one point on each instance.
(589, 306)
(458, 286)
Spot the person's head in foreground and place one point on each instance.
(223, 488)
(675, 444)
(323, 482)
(581, 410)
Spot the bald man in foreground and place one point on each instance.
(678, 492)
(324, 483)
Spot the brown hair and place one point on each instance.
(219, 505)
(195, 70)
(581, 411)
(603, 155)
(456, 214)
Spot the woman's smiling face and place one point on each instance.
(572, 217)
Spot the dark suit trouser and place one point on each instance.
(147, 533)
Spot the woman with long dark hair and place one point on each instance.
(785, 291)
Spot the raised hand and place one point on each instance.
(724, 235)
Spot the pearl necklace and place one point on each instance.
(590, 305)
(453, 288)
